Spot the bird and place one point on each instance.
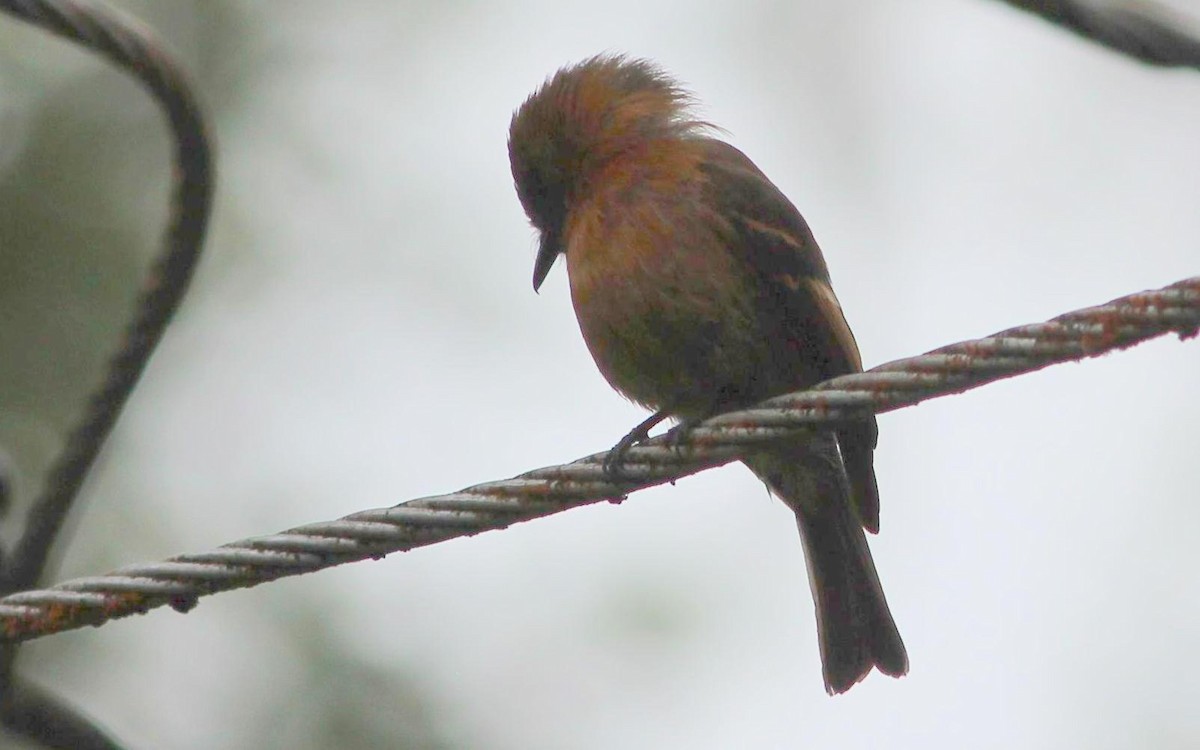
(699, 288)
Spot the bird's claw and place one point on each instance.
(677, 436)
(612, 466)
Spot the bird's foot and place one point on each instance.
(613, 465)
(678, 435)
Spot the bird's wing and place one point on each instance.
(798, 308)
(782, 256)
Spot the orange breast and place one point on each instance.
(664, 307)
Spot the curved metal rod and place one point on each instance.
(125, 42)
(1145, 31)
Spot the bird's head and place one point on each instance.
(578, 120)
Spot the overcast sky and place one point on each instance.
(363, 332)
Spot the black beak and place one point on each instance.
(547, 254)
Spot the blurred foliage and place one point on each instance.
(71, 255)
(338, 699)
(84, 180)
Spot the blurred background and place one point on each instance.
(362, 331)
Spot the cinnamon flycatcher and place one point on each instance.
(699, 288)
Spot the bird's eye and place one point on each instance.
(542, 196)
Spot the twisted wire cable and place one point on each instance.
(180, 581)
(125, 42)
(1146, 31)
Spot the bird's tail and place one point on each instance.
(854, 625)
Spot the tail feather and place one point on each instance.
(854, 626)
(857, 441)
